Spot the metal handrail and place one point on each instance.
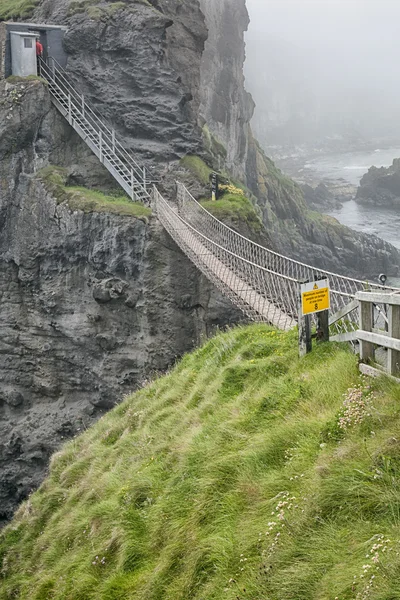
(98, 116)
(56, 76)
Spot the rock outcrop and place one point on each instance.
(139, 65)
(319, 197)
(381, 186)
(226, 107)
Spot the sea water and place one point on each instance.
(350, 167)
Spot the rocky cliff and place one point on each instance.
(381, 186)
(226, 110)
(138, 63)
(91, 304)
(168, 75)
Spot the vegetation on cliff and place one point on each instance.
(86, 200)
(236, 211)
(246, 473)
(233, 206)
(17, 9)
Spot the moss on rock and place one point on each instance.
(80, 198)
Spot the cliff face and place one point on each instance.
(381, 186)
(91, 305)
(169, 77)
(139, 64)
(226, 108)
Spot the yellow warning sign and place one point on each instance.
(315, 297)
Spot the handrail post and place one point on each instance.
(132, 183)
(394, 332)
(113, 139)
(101, 145)
(53, 68)
(305, 340)
(83, 104)
(144, 179)
(69, 109)
(367, 349)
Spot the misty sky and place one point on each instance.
(362, 33)
(345, 52)
(329, 21)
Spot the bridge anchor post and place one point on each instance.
(323, 326)
(305, 341)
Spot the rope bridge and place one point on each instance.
(263, 284)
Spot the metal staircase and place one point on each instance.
(101, 140)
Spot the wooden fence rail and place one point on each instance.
(370, 336)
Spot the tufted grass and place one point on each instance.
(17, 9)
(197, 167)
(87, 200)
(175, 490)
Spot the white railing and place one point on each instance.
(386, 336)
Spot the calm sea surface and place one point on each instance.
(351, 167)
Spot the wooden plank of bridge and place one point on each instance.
(271, 313)
(243, 290)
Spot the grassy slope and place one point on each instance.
(230, 479)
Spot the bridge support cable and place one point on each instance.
(281, 268)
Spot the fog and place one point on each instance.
(324, 72)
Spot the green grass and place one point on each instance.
(93, 201)
(234, 210)
(87, 200)
(198, 168)
(181, 491)
(17, 9)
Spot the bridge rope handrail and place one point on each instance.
(277, 254)
(216, 245)
(161, 199)
(262, 294)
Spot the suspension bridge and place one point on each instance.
(263, 284)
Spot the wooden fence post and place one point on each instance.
(394, 332)
(323, 326)
(305, 341)
(367, 349)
